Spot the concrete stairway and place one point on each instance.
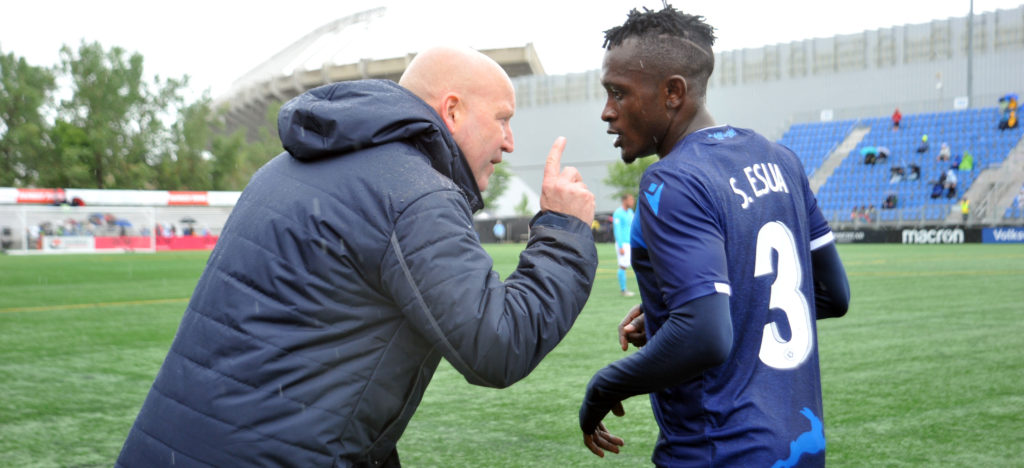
(994, 189)
(836, 157)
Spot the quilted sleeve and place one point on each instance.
(494, 332)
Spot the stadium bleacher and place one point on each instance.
(855, 184)
(814, 141)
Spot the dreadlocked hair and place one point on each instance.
(671, 41)
(667, 21)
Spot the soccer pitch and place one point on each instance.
(927, 368)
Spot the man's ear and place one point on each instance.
(675, 92)
(452, 111)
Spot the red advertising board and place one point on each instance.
(44, 196)
(187, 198)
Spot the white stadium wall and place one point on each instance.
(770, 88)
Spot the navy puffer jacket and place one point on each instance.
(347, 270)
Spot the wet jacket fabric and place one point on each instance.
(347, 270)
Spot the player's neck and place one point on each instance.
(701, 119)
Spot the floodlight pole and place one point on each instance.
(970, 56)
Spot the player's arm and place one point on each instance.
(831, 287)
(696, 337)
(686, 248)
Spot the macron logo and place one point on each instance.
(653, 195)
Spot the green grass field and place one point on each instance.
(927, 369)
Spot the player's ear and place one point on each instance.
(675, 92)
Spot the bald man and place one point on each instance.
(349, 268)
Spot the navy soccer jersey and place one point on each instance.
(727, 211)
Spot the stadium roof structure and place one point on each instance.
(359, 46)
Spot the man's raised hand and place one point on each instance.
(563, 190)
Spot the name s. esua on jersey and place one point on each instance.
(764, 178)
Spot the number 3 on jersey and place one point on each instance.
(786, 296)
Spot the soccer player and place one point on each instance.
(734, 260)
(622, 221)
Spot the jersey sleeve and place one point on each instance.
(820, 232)
(684, 237)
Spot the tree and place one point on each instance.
(229, 151)
(496, 186)
(266, 145)
(119, 113)
(626, 177)
(24, 94)
(523, 207)
(69, 160)
(187, 165)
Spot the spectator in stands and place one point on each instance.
(923, 147)
(914, 173)
(967, 163)
(869, 153)
(871, 214)
(1008, 111)
(310, 340)
(944, 152)
(896, 174)
(896, 118)
(937, 188)
(856, 213)
(882, 156)
(965, 208)
(891, 201)
(1008, 121)
(950, 182)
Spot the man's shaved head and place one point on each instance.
(473, 96)
(443, 69)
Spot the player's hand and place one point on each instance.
(631, 329)
(602, 439)
(563, 190)
(622, 251)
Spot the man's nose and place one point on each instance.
(508, 144)
(608, 114)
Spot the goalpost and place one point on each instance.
(42, 229)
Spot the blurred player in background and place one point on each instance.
(622, 222)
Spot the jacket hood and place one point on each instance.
(341, 118)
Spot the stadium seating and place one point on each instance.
(814, 141)
(855, 184)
